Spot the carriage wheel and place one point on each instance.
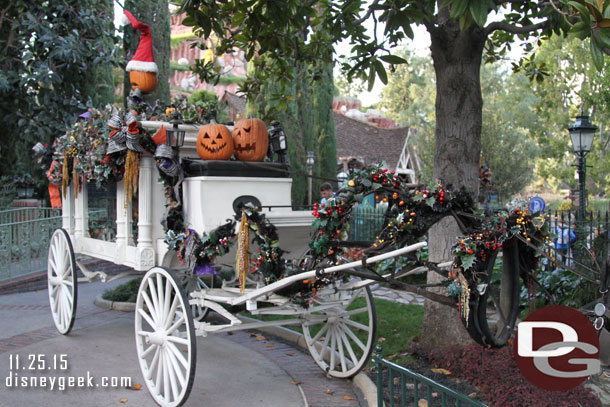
(165, 338)
(61, 275)
(192, 283)
(340, 330)
(494, 313)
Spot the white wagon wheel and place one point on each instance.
(165, 338)
(340, 329)
(62, 280)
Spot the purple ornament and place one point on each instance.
(207, 268)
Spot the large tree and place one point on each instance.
(459, 33)
(55, 58)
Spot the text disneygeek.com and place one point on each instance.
(22, 368)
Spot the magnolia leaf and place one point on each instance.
(441, 371)
(431, 201)
(418, 198)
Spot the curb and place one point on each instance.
(114, 305)
(361, 382)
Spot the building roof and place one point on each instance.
(355, 138)
(367, 142)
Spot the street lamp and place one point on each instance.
(310, 161)
(582, 133)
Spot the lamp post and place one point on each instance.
(582, 133)
(310, 161)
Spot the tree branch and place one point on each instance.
(513, 29)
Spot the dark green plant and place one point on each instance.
(126, 292)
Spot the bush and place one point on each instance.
(126, 292)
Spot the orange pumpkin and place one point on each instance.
(250, 140)
(146, 81)
(214, 142)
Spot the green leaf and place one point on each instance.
(478, 10)
(458, 7)
(275, 243)
(604, 36)
(188, 21)
(597, 54)
(393, 59)
(431, 201)
(584, 12)
(383, 76)
(580, 30)
(371, 80)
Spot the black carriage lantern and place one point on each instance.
(582, 133)
(175, 136)
(277, 139)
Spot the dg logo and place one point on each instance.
(556, 348)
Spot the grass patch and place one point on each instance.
(126, 292)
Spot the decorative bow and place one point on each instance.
(124, 133)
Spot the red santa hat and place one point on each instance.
(144, 59)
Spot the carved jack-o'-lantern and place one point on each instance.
(250, 140)
(146, 81)
(214, 142)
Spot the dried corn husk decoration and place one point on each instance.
(243, 257)
(464, 296)
(132, 173)
(65, 177)
(76, 178)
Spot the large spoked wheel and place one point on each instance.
(495, 311)
(61, 275)
(165, 338)
(340, 329)
(191, 283)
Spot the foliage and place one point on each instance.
(495, 372)
(51, 54)
(576, 86)
(206, 101)
(126, 292)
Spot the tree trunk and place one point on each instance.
(457, 61)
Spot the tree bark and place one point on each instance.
(457, 60)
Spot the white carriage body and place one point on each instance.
(207, 204)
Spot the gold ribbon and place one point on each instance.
(243, 256)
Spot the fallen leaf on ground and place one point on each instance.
(329, 392)
(442, 371)
(270, 345)
(295, 382)
(422, 403)
(290, 354)
(347, 398)
(434, 395)
(381, 339)
(123, 400)
(473, 395)
(396, 380)
(260, 338)
(135, 387)
(231, 333)
(252, 334)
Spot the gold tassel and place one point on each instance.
(76, 178)
(464, 297)
(65, 177)
(243, 257)
(132, 172)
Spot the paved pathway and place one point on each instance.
(240, 369)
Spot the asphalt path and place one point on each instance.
(101, 350)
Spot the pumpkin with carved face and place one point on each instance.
(250, 140)
(146, 81)
(214, 142)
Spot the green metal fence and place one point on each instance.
(24, 239)
(366, 222)
(406, 388)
